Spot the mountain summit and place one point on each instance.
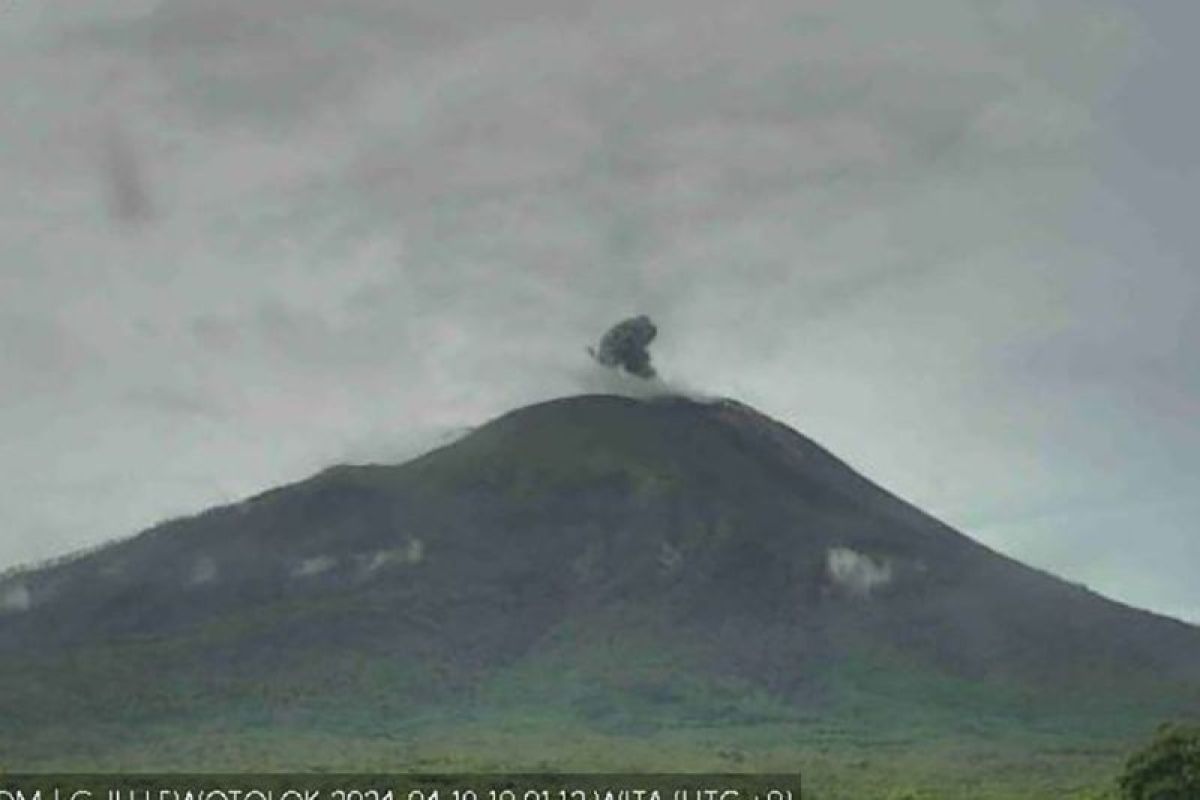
(593, 556)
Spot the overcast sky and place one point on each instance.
(952, 240)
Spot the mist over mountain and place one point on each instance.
(233, 221)
(617, 561)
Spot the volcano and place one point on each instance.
(617, 566)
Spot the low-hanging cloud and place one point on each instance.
(590, 377)
(855, 572)
(15, 597)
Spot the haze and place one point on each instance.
(951, 241)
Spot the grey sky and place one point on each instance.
(953, 241)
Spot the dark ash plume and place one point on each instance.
(624, 347)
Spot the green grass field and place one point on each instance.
(565, 714)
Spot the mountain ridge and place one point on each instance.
(724, 555)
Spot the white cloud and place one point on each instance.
(314, 566)
(204, 571)
(858, 573)
(14, 598)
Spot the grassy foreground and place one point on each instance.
(836, 762)
(875, 728)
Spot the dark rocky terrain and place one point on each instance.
(599, 556)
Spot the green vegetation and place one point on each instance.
(598, 585)
(875, 729)
(836, 761)
(1166, 769)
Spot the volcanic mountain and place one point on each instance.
(623, 564)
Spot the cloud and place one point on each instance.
(855, 572)
(203, 571)
(314, 566)
(14, 598)
(889, 224)
(127, 193)
(593, 378)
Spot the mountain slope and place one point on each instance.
(598, 555)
